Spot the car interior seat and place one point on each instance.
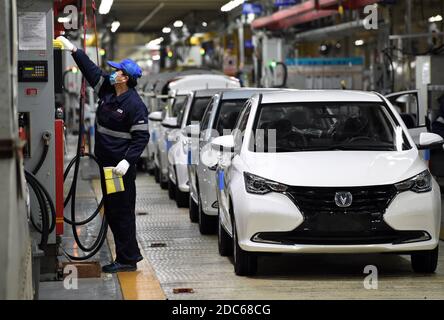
(352, 127)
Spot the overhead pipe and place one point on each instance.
(304, 18)
(306, 12)
(329, 31)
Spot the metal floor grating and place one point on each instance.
(190, 260)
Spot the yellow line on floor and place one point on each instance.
(138, 285)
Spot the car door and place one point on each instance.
(411, 111)
(205, 136)
(225, 169)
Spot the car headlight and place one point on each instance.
(258, 185)
(419, 183)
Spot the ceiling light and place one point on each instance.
(166, 30)
(436, 18)
(114, 26)
(231, 5)
(178, 24)
(105, 6)
(359, 42)
(154, 44)
(204, 24)
(64, 19)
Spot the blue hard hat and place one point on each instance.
(129, 66)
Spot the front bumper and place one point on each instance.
(276, 213)
(178, 174)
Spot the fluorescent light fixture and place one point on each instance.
(114, 26)
(231, 5)
(166, 30)
(154, 44)
(64, 19)
(178, 24)
(359, 42)
(105, 6)
(436, 18)
(204, 24)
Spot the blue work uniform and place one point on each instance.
(121, 132)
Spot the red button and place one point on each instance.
(31, 91)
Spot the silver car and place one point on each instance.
(178, 184)
(220, 116)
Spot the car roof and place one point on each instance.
(246, 93)
(320, 96)
(206, 92)
(201, 82)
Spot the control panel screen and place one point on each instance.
(33, 71)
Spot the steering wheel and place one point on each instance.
(296, 139)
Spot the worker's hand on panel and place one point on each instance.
(121, 168)
(67, 45)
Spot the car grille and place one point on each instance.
(326, 223)
(366, 200)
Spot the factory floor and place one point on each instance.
(182, 264)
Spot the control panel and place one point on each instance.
(33, 71)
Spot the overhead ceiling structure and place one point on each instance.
(305, 12)
(148, 16)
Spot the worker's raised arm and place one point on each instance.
(92, 73)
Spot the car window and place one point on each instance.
(227, 116)
(241, 125)
(178, 106)
(207, 115)
(325, 126)
(197, 109)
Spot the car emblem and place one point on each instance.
(343, 199)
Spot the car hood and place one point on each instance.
(336, 168)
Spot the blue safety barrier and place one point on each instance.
(324, 61)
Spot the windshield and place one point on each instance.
(197, 109)
(178, 104)
(324, 126)
(228, 113)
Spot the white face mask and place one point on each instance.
(113, 78)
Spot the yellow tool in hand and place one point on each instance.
(114, 183)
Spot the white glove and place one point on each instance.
(67, 45)
(121, 168)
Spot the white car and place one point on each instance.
(220, 115)
(325, 172)
(180, 89)
(178, 184)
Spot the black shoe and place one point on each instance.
(119, 267)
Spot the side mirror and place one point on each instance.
(155, 116)
(223, 143)
(191, 130)
(428, 140)
(170, 123)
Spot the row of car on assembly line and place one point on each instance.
(295, 171)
